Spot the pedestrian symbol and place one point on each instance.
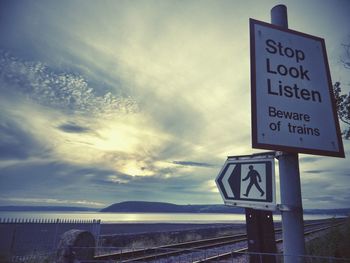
(254, 181)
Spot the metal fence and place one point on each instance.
(26, 237)
(191, 256)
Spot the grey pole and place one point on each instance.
(292, 216)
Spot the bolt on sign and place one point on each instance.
(293, 106)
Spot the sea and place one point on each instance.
(108, 218)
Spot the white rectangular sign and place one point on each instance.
(293, 105)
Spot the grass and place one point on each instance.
(336, 243)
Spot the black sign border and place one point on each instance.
(255, 143)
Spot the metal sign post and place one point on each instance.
(261, 236)
(291, 209)
(292, 219)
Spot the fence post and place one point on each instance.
(56, 233)
(13, 240)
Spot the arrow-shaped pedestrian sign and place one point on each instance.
(248, 183)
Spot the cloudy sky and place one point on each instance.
(108, 101)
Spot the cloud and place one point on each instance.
(51, 180)
(42, 180)
(175, 188)
(315, 171)
(321, 189)
(67, 92)
(51, 201)
(15, 140)
(73, 128)
(188, 163)
(313, 159)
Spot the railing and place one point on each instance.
(212, 255)
(25, 237)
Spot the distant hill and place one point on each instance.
(46, 208)
(159, 207)
(338, 211)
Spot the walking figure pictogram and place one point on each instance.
(253, 175)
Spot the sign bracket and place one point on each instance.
(287, 208)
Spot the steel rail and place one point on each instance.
(174, 248)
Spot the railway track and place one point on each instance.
(240, 252)
(215, 249)
(172, 250)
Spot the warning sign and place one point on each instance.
(293, 107)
